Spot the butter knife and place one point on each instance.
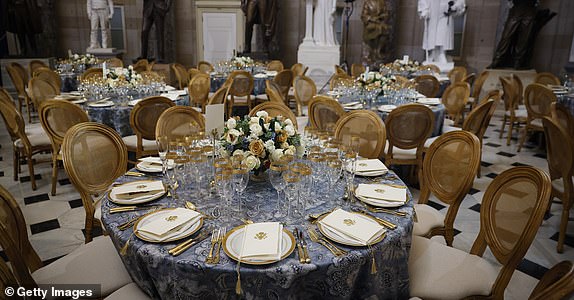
(179, 249)
(304, 245)
(385, 223)
(299, 246)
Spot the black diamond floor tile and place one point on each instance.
(27, 178)
(506, 154)
(44, 226)
(456, 231)
(531, 268)
(491, 175)
(51, 260)
(75, 203)
(96, 231)
(517, 164)
(540, 155)
(435, 205)
(64, 181)
(473, 191)
(568, 240)
(36, 199)
(475, 207)
(485, 164)
(492, 145)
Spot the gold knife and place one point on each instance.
(179, 249)
(299, 246)
(304, 245)
(385, 223)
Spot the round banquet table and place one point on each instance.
(258, 83)
(327, 277)
(568, 101)
(118, 116)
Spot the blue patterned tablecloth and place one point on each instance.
(258, 84)
(347, 277)
(568, 101)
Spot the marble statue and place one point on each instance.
(323, 19)
(378, 31)
(263, 12)
(517, 41)
(154, 12)
(100, 12)
(439, 26)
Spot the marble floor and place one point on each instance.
(55, 222)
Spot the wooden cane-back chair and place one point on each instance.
(454, 99)
(220, 97)
(339, 80)
(94, 156)
(564, 117)
(181, 75)
(205, 67)
(95, 263)
(493, 94)
(325, 112)
(519, 87)
(25, 144)
(478, 120)
(477, 88)
(142, 65)
(56, 117)
(357, 69)
(560, 164)
(198, 90)
(514, 115)
(298, 69)
(469, 79)
(340, 70)
(457, 74)
(284, 79)
(434, 68)
(50, 76)
(538, 100)
(427, 85)
(408, 127)
(511, 212)
(241, 89)
(35, 64)
(275, 109)
(401, 81)
(114, 62)
(192, 72)
(92, 73)
(273, 92)
(368, 127)
(19, 78)
(448, 172)
(275, 65)
(7, 278)
(143, 120)
(556, 284)
(305, 89)
(178, 122)
(41, 90)
(547, 78)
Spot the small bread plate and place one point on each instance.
(153, 166)
(185, 230)
(101, 104)
(338, 238)
(233, 241)
(145, 197)
(386, 108)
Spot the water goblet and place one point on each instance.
(276, 170)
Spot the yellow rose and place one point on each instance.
(257, 148)
(281, 136)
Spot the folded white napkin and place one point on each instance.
(353, 103)
(260, 75)
(169, 88)
(353, 226)
(170, 96)
(262, 241)
(368, 165)
(387, 107)
(136, 190)
(271, 73)
(163, 224)
(382, 192)
(155, 161)
(430, 101)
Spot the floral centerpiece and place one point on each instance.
(260, 140)
(375, 80)
(242, 61)
(85, 59)
(123, 76)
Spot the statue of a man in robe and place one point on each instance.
(154, 12)
(100, 12)
(323, 19)
(439, 26)
(263, 12)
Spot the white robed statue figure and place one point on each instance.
(323, 19)
(439, 27)
(100, 12)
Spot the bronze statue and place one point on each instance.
(23, 19)
(517, 41)
(154, 12)
(262, 12)
(378, 32)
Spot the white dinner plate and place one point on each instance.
(380, 203)
(233, 241)
(184, 231)
(386, 108)
(66, 97)
(147, 167)
(271, 73)
(372, 173)
(429, 101)
(260, 75)
(336, 237)
(101, 104)
(138, 200)
(79, 101)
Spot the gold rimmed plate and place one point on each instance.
(335, 237)
(233, 241)
(137, 200)
(183, 231)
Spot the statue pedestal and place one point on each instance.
(444, 67)
(321, 61)
(105, 53)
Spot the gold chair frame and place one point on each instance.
(457, 74)
(241, 86)
(427, 85)
(97, 72)
(317, 107)
(35, 64)
(357, 70)
(181, 75)
(50, 76)
(538, 100)
(114, 62)
(205, 67)
(275, 109)
(300, 84)
(547, 78)
(275, 65)
(273, 92)
(198, 90)
(557, 283)
(455, 98)
(511, 100)
(377, 130)
(19, 78)
(179, 121)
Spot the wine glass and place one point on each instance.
(276, 170)
(162, 147)
(240, 179)
(292, 185)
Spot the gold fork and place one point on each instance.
(321, 240)
(214, 240)
(218, 246)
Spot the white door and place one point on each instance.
(219, 36)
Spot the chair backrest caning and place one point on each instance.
(179, 121)
(242, 83)
(325, 112)
(455, 98)
(547, 78)
(50, 76)
(305, 89)
(478, 83)
(198, 90)
(408, 126)
(479, 118)
(366, 125)
(96, 73)
(298, 69)
(144, 115)
(35, 64)
(284, 79)
(181, 75)
(559, 152)
(457, 74)
(275, 65)
(273, 92)
(57, 117)
(114, 62)
(357, 69)
(41, 90)
(205, 67)
(427, 85)
(538, 100)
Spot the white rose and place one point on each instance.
(290, 151)
(222, 153)
(262, 114)
(276, 154)
(131, 67)
(300, 150)
(232, 136)
(252, 162)
(288, 122)
(270, 145)
(231, 123)
(256, 129)
(76, 56)
(254, 120)
(284, 145)
(290, 130)
(239, 152)
(277, 126)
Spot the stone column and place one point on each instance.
(308, 22)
